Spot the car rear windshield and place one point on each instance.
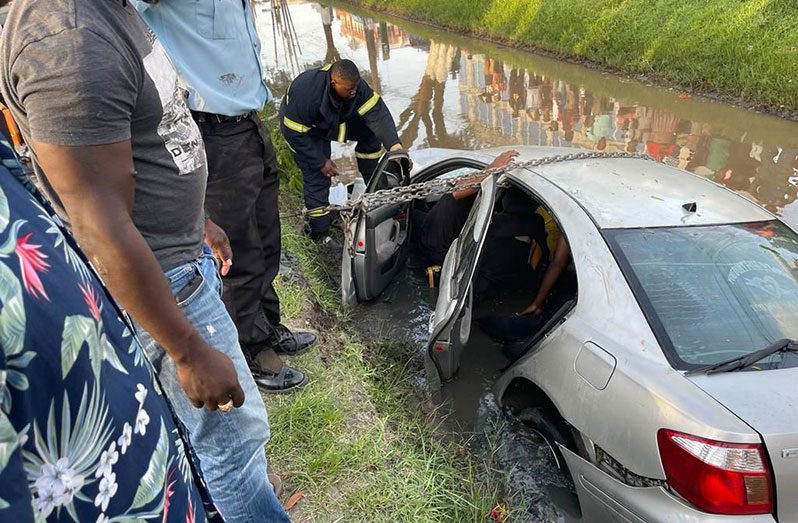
(716, 292)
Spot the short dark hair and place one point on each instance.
(345, 70)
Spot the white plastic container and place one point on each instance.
(358, 188)
(338, 194)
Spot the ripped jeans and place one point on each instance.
(230, 446)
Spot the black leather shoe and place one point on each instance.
(283, 341)
(331, 245)
(287, 380)
(325, 241)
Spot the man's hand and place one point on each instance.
(503, 159)
(329, 169)
(208, 377)
(400, 147)
(500, 161)
(533, 309)
(217, 240)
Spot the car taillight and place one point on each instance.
(723, 478)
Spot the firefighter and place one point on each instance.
(333, 103)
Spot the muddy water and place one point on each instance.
(445, 90)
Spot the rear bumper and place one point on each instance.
(604, 498)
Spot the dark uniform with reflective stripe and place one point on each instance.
(310, 118)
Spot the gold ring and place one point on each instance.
(226, 407)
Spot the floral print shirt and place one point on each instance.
(85, 432)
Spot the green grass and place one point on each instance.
(354, 440)
(746, 48)
(350, 443)
(316, 275)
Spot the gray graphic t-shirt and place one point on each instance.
(89, 72)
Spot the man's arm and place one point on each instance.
(96, 186)
(219, 243)
(562, 257)
(370, 106)
(296, 123)
(500, 161)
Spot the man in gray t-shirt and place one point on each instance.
(118, 154)
(104, 82)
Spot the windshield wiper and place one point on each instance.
(743, 362)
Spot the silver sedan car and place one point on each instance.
(666, 383)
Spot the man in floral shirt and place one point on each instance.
(85, 432)
(121, 160)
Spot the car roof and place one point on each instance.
(632, 192)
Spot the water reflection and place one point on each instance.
(448, 91)
(326, 21)
(289, 48)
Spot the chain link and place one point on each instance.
(439, 187)
(421, 190)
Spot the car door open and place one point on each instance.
(450, 324)
(379, 236)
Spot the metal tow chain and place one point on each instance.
(439, 187)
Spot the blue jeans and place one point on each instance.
(230, 446)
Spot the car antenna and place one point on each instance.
(690, 207)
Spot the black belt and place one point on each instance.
(201, 117)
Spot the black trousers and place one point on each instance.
(316, 186)
(243, 187)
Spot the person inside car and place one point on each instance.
(514, 330)
(560, 262)
(516, 230)
(447, 217)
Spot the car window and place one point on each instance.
(716, 292)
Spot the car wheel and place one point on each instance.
(553, 431)
(540, 485)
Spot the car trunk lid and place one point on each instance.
(768, 402)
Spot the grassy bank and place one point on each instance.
(744, 48)
(353, 440)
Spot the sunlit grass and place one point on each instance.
(316, 275)
(746, 48)
(351, 444)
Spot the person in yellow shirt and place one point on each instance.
(559, 262)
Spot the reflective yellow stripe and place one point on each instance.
(368, 156)
(325, 67)
(342, 132)
(318, 212)
(295, 126)
(370, 103)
